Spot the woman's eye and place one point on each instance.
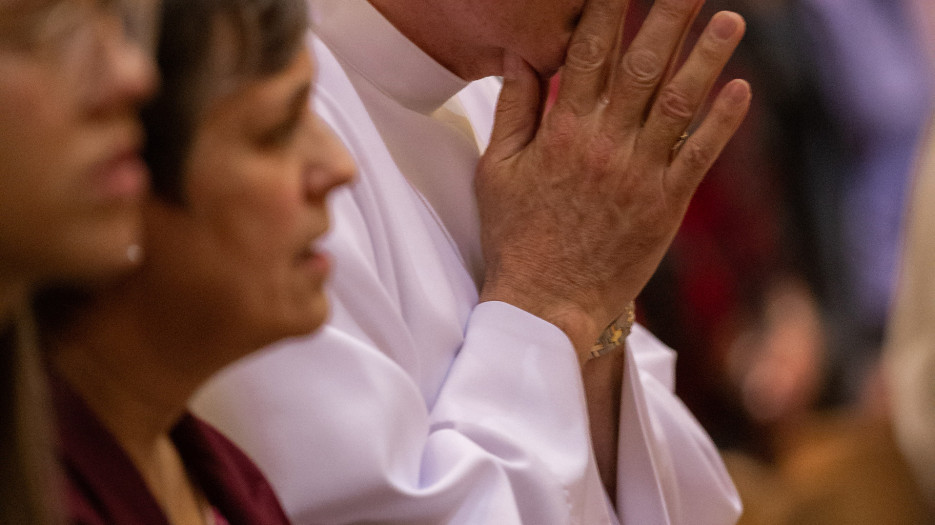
(57, 26)
(281, 134)
(45, 30)
(139, 20)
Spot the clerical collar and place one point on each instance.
(363, 39)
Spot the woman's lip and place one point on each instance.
(123, 176)
(318, 262)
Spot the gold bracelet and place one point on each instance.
(615, 334)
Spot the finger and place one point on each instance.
(673, 61)
(699, 152)
(586, 61)
(679, 100)
(620, 46)
(643, 66)
(518, 109)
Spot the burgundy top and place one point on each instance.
(103, 487)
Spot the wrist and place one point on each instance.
(581, 327)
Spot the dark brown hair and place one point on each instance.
(27, 471)
(196, 60)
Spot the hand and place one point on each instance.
(579, 206)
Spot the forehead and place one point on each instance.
(258, 97)
(33, 21)
(536, 8)
(288, 84)
(36, 10)
(24, 6)
(523, 17)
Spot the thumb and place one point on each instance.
(518, 108)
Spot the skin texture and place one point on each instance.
(578, 206)
(629, 195)
(227, 272)
(71, 178)
(470, 38)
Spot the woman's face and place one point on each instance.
(238, 256)
(71, 177)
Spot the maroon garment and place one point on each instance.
(103, 487)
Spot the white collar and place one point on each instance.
(364, 40)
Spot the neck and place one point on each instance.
(454, 47)
(127, 401)
(11, 297)
(137, 386)
(135, 373)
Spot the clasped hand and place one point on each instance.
(579, 206)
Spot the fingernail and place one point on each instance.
(737, 91)
(724, 25)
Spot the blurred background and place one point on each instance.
(777, 289)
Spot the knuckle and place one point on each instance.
(675, 104)
(710, 50)
(587, 53)
(642, 67)
(697, 155)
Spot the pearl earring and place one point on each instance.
(134, 253)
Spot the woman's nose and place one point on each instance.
(129, 76)
(334, 165)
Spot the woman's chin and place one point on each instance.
(318, 316)
(304, 322)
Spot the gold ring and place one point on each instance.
(678, 144)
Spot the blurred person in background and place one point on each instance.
(876, 83)
(825, 149)
(240, 171)
(775, 297)
(73, 74)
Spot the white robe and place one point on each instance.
(415, 404)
